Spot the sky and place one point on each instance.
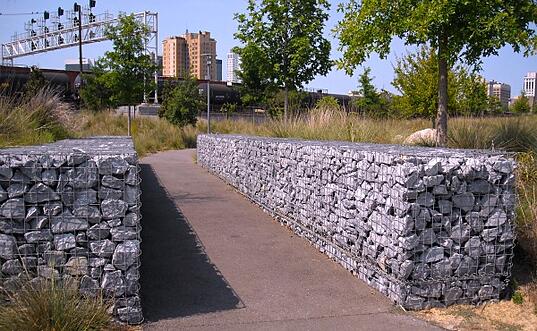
(216, 16)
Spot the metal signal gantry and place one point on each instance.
(64, 29)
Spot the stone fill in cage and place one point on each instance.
(70, 211)
(427, 227)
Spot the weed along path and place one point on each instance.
(211, 260)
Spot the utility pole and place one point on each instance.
(78, 8)
(208, 77)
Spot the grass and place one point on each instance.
(51, 306)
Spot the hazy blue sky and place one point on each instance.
(216, 16)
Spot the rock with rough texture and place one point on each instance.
(126, 254)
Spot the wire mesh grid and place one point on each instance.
(73, 214)
(426, 227)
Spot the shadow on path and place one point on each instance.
(177, 277)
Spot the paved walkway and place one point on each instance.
(214, 261)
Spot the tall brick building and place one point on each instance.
(182, 54)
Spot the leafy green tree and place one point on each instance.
(494, 105)
(521, 105)
(35, 83)
(181, 103)
(416, 77)
(254, 75)
(287, 35)
(471, 98)
(457, 29)
(127, 69)
(370, 101)
(94, 92)
(327, 102)
(229, 108)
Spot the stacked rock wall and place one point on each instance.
(427, 227)
(71, 211)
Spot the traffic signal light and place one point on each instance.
(92, 3)
(33, 21)
(76, 7)
(91, 18)
(46, 15)
(60, 11)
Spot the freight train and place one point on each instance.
(15, 78)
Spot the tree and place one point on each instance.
(127, 69)
(327, 102)
(494, 105)
(287, 35)
(416, 77)
(35, 83)
(181, 103)
(521, 105)
(254, 75)
(369, 101)
(471, 94)
(94, 92)
(457, 29)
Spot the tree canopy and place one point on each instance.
(286, 38)
(182, 102)
(125, 72)
(457, 29)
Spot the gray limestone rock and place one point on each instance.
(12, 267)
(67, 222)
(112, 182)
(126, 254)
(123, 233)
(113, 209)
(13, 208)
(113, 284)
(464, 201)
(38, 236)
(99, 231)
(63, 242)
(77, 266)
(102, 248)
(40, 193)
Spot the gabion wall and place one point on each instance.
(427, 227)
(71, 211)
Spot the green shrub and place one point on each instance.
(51, 306)
(517, 298)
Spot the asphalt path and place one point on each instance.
(212, 260)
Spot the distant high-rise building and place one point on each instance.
(530, 82)
(189, 53)
(499, 90)
(233, 66)
(218, 69)
(74, 64)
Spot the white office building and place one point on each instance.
(530, 81)
(233, 66)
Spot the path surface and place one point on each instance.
(214, 261)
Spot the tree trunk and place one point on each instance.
(286, 104)
(442, 115)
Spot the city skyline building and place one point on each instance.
(233, 66)
(530, 81)
(189, 53)
(218, 70)
(499, 90)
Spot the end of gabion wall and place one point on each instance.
(427, 227)
(70, 211)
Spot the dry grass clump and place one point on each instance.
(49, 305)
(37, 119)
(150, 135)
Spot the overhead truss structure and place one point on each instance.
(58, 33)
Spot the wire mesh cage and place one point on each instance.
(426, 227)
(70, 211)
